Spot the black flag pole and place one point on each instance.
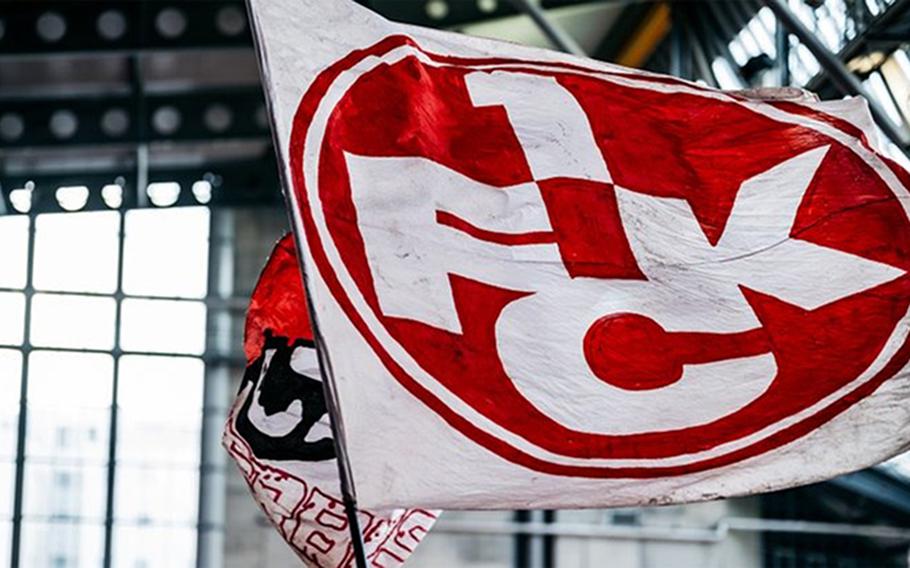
(329, 388)
(348, 495)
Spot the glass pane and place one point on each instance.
(72, 321)
(65, 492)
(7, 480)
(10, 379)
(62, 545)
(166, 252)
(69, 397)
(155, 496)
(12, 321)
(160, 400)
(14, 252)
(163, 326)
(153, 547)
(6, 530)
(77, 252)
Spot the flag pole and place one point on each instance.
(329, 388)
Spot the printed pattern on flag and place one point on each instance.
(550, 282)
(638, 277)
(279, 435)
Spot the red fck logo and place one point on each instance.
(600, 273)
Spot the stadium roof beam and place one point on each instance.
(885, 32)
(44, 28)
(65, 27)
(880, 487)
(235, 183)
(554, 33)
(198, 114)
(835, 67)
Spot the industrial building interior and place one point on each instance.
(140, 198)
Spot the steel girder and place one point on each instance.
(207, 114)
(237, 183)
(86, 26)
(133, 116)
(885, 32)
(54, 27)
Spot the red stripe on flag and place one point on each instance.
(509, 239)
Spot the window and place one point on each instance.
(10, 376)
(77, 252)
(166, 252)
(159, 431)
(71, 321)
(13, 256)
(12, 306)
(78, 364)
(14, 252)
(163, 326)
(68, 393)
(836, 23)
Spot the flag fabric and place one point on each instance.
(279, 434)
(547, 281)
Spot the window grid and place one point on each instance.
(93, 535)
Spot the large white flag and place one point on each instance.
(545, 281)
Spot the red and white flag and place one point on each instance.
(279, 434)
(546, 281)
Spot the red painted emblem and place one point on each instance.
(597, 273)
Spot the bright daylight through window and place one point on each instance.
(126, 315)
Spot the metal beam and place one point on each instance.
(842, 78)
(680, 49)
(653, 28)
(704, 21)
(207, 114)
(116, 352)
(128, 26)
(22, 422)
(782, 44)
(700, 60)
(884, 32)
(554, 33)
(878, 486)
(240, 183)
(623, 29)
(216, 394)
(454, 13)
(43, 28)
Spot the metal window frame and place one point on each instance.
(26, 348)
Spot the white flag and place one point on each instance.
(545, 281)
